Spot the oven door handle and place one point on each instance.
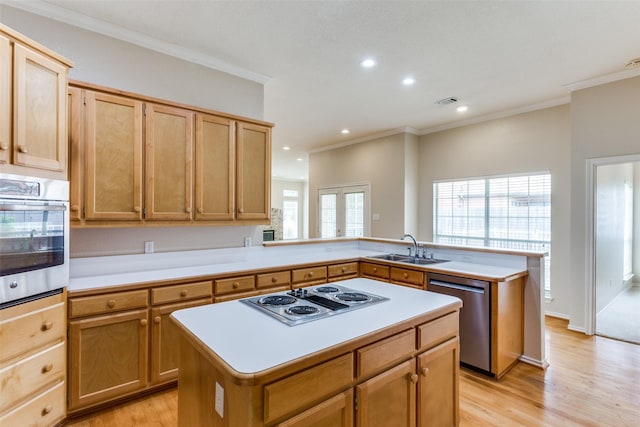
(32, 208)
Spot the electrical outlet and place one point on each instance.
(148, 247)
(247, 242)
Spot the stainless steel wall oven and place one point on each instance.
(34, 238)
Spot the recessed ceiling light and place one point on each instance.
(299, 159)
(462, 109)
(408, 81)
(286, 148)
(344, 131)
(368, 63)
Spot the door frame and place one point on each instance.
(341, 189)
(590, 261)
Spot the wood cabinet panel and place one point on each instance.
(382, 354)
(6, 115)
(409, 277)
(169, 156)
(40, 108)
(77, 149)
(234, 284)
(375, 271)
(164, 336)
(438, 385)
(253, 160)
(304, 388)
(215, 168)
(268, 280)
(169, 294)
(309, 276)
(113, 139)
(46, 409)
(31, 373)
(100, 304)
(334, 412)
(388, 399)
(108, 357)
(33, 330)
(437, 331)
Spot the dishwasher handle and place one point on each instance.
(455, 286)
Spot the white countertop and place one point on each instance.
(250, 341)
(109, 271)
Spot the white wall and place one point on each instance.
(605, 121)
(379, 162)
(636, 223)
(609, 226)
(113, 63)
(531, 142)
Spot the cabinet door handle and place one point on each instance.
(156, 319)
(187, 210)
(136, 209)
(47, 368)
(425, 372)
(414, 378)
(183, 293)
(46, 410)
(200, 210)
(3, 146)
(111, 303)
(241, 210)
(22, 149)
(46, 326)
(75, 208)
(143, 322)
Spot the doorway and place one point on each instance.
(343, 211)
(616, 291)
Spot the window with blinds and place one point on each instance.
(512, 212)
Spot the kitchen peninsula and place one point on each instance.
(239, 366)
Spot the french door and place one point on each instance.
(343, 211)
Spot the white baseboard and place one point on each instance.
(576, 328)
(558, 315)
(542, 364)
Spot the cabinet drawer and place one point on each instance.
(375, 270)
(382, 354)
(412, 277)
(30, 374)
(312, 385)
(279, 278)
(346, 269)
(33, 330)
(45, 409)
(99, 304)
(236, 284)
(437, 331)
(180, 292)
(311, 274)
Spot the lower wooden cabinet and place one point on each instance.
(107, 357)
(334, 412)
(33, 363)
(438, 371)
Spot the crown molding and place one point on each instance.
(607, 78)
(370, 137)
(498, 115)
(75, 19)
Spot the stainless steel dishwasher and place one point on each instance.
(475, 317)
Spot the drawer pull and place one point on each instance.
(46, 326)
(274, 279)
(344, 269)
(47, 368)
(156, 319)
(236, 285)
(111, 303)
(311, 274)
(413, 378)
(425, 372)
(405, 275)
(183, 293)
(143, 322)
(47, 410)
(375, 269)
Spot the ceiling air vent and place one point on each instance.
(447, 101)
(634, 63)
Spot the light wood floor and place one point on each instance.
(592, 381)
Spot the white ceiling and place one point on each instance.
(497, 57)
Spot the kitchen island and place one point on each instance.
(395, 360)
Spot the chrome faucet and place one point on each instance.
(415, 245)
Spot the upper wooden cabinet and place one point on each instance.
(33, 123)
(136, 159)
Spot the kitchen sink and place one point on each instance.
(408, 259)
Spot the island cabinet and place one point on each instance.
(33, 362)
(33, 107)
(405, 374)
(137, 160)
(122, 343)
